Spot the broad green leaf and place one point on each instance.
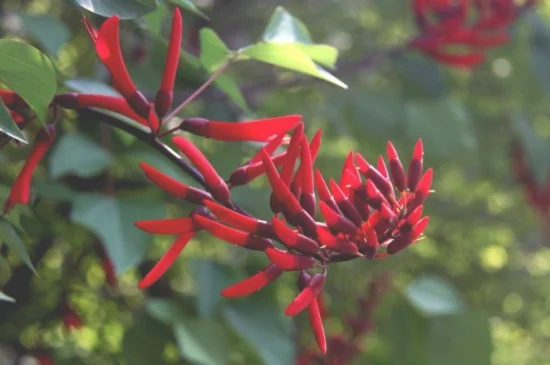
(144, 342)
(202, 341)
(213, 51)
(537, 151)
(53, 190)
(262, 325)
(6, 298)
(50, 32)
(76, 154)
(125, 9)
(8, 125)
(9, 236)
(433, 296)
(211, 278)
(283, 27)
(190, 5)
(407, 335)
(460, 339)
(29, 73)
(113, 220)
(167, 311)
(290, 56)
(443, 125)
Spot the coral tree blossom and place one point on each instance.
(371, 211)
(458, 32)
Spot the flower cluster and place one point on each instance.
(472, 26)
(371, 212)
(343, 348)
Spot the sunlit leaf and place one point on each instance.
(434, 297)
(8, 125)
(29, 73)
(125, 9)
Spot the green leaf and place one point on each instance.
(8, 125)
(202, 341)
(50, 32)
(28, 72)
(214, 53)
(9, 236)
(540, 50)
(443, 125)
(261, 323)
(228, 85)
(537, 151)
(144, 342)
(408, 335)
(461, 339)
(53, 190)
(125, 9)
(290, 56)
(167, 311)
(283, 27)
(5, 298)
(190, 5)
(160, 162)
(433, 296)
(112, 221)
(76, 154)
(211, 278)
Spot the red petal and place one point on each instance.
(280, 189)
(270, 148)
(218, 188)
(254, 283)
(293, 239)
(168, 226)
(21, 188)
(167, 260)
(240, 221)
(173, 55)
(305, 297)
(289, 261)
(108, 49)
(112, 103)
(316, 323)
(255, 130)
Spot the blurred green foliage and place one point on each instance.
(475, 291)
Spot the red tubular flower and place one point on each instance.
(307, 295)
(254, 283)
(167, 260)
(260, 130)
(174, 187)
(293, 239)
(216, 185)
(163, 100)
(107, 45)
(21, 189)
(288, 261)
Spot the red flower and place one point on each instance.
(372, 213)
(446, 23)
(21, 189)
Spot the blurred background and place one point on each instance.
(475, 291)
